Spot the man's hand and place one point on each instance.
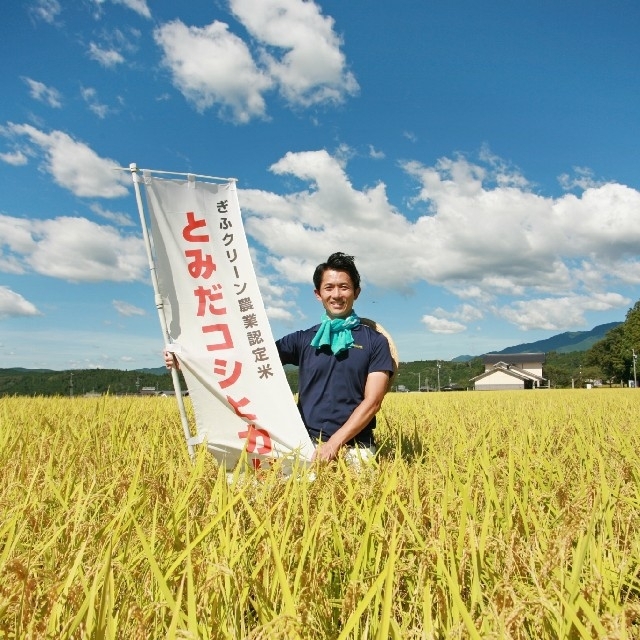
(374, 391)
(170, 360)
(325, 452)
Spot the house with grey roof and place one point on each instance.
(511, 371)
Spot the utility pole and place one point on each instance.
(581, 375)
(438, 365)
(71, 384)
(635, 379)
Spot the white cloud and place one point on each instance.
(276, 299)
(90, 96)
(464, 313)
(303, 228)
(46, 10)
(116, 46)
(12, 304)
(559, 313)
(106, 57)
(450, 322)
(126, 309)
(139, 6)
(512, 237)
(40, 91)
(298, 53)
(213, 67)
(484, 234)
(442, 325)
(582, 179)
(312, 68)
(74, 165)
(117, 217)
(503, 173)
(471, 292)
(15, 241)
(73, 249)
(16, 158)
(627, 271)
(101, 110)
(279, 313)
(600, 222)
(375, 154)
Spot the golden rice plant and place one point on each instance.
(486, 515)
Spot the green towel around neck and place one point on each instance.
(335, 333)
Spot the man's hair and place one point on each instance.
(337, 262)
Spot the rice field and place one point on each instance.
(486, 515)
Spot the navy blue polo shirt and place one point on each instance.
(330, 387)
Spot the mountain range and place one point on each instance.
(562, 343)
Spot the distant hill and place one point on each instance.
(566, 342)
(21, 370)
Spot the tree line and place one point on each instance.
(614, 354)
(79, 382)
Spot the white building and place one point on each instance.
(148, 391)
(511, 371)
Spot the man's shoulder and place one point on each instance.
(365, 326)
(372, 333)
(299, 334)
(313, 329)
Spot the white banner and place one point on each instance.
(217, 323)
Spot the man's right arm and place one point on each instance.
(288, 349)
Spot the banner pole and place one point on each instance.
(159, 306)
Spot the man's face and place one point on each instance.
(337, 293)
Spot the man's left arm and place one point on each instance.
(374, 392)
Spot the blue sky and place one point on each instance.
(480, 160)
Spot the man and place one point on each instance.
(344, 366)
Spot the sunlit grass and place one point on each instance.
(496, 514)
